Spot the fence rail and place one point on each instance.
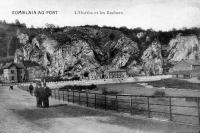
(136, 104)
(173, 108)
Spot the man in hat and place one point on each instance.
(39, 92)
(47, 94)
(31, 89)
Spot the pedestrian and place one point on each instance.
(11, 87)
(39, 92)
(47, 91)
(31, 89)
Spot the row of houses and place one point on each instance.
(27, 71)
(120, 73)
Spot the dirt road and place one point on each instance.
(18, 114)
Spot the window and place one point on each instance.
(196, 67)
(12, 78)
(12, 71)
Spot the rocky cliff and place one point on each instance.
(88, 50)
(74, 51)
(152, 59)
(183, 47)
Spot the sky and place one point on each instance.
(155, 14)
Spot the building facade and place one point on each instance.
(117, 74)
(14, 73)
(186, 69)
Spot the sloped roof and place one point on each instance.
(8, 65)
(6, 59)
(19, 65)
(29, 63)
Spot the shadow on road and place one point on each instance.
(67, 111)
(56, 111)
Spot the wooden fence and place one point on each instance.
(173, 108)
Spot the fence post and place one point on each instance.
(170, 108)
(105, 102)
(148, 107)
(198, 106)
(95, 101)
(87, 99)
(79, 97)
(58, 95)
(116, 103)
(73, 96)
(68, 95)
(131, 104)
(63, 96)
(55, 94)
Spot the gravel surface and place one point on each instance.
(18, 114)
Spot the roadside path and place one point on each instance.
(18, 114)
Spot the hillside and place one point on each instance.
(74, 51)
(8, 38)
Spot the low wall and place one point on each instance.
(109, 81)
(105, 81)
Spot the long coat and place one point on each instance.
(39, 92)
(47, 92)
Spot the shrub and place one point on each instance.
(92, 87)
(78, 87)
(159, 93)
(105, 91)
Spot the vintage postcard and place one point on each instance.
(100, 66)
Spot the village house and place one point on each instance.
(13, 72)
(93, 75)
(32, 69)
(117, 74)
(186, 69)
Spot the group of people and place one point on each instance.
(42, 94)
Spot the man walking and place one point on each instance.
(11, 87)
(39, 92)
(47, 91)
(31, 89)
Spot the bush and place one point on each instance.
(105, 91)
(78, 87)
(159, 93)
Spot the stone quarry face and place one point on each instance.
(80, 55)
(184, 47)
(152, 59)
(98, 49)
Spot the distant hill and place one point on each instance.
(8, 38)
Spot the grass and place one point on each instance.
(159, 93)
(175, 83)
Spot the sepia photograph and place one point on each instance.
(100, 66)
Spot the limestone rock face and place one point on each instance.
(183, 47)
(74, 51)
(152, 59)
(88, 50)
(127, 49)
